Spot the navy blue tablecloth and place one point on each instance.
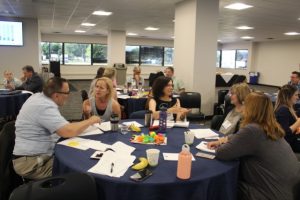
(210, 179)
(133, 104)
(10, 105)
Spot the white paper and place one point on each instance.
(133, 122)
(173, 156)
(203, 147)
(91, 130)
(204, 133)
(122, 148)
(113, 164)
(104, 126)
(97, 145)
(171, 124)
(75, 142)
(27, 92)
(123, 96)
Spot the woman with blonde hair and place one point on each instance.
(286, 115)
(268, 167)
(238, 93)
(136, 80)
(101, 103)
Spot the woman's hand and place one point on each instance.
(213, 144)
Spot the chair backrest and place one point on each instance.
(138, 114)
(221, 96)
(8, 178)
(154, 76)
(190, 100)
(75, 186)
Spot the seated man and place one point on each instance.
(295, 79)
(9, 81)
(178, 86)
(37, 124)
(32, 81)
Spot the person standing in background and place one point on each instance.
(178, 84)
(9, 81)
(31, 80)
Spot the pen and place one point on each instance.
(112, 168)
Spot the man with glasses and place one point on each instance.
(178, 85)
(295, 79)
(39, 125)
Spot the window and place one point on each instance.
(45, 52)
(218, 58)
(152, 55)
(132, 54)
(228, 59)
(241, 59)
(99, 54)
(56, 51)
(77, 54)
(168, 56)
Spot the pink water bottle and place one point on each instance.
(184, 165)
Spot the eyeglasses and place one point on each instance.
(60, 92)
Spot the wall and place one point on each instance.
(276, 60)
(14, 58)
(88, 72)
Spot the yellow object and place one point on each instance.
(141, 165)
(134, 128)
(73, 143)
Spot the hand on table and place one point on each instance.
(213, 144)
(94, 119)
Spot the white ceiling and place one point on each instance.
(270, 18)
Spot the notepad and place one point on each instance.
(104, 126)
(203, 147)
(121, 147)
(171, 124)
(204, 133)
(91, 130)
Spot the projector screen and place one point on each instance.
(11, 33)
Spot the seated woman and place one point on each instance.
(101, 103)
(286, 115)
(238, 93)
(268, 167)
(162, 90)
(136, 80)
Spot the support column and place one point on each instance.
(116, 42)
(195, 46)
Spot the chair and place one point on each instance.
(192, 100)
(154, 76)
(75, 186)
(219, 106)
(84, 95)
(138, 114)
(216, 122)
(8, 177)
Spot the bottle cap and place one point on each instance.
(186, 148)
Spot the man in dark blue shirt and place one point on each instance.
(33, 82)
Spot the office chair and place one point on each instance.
(192, 100)
(74, 186)
(8, 177)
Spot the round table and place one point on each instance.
(210, 179)
(11, 104)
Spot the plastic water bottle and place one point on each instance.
(184, 165)
(163, 120)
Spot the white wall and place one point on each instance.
(88, 72)
(14, 58)
(276, 60)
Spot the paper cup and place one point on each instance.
(189, 137)
(152, 157)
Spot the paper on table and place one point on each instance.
(27, 92)
(123, 96)
(204, 133)
(203, 147)
(91, 130)
(133, 122)
(104, 126)
(113, 164)
(171, 124)
(122, 148)
(75, 142)
(173, 156)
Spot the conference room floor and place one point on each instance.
(72, 109)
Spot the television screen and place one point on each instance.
(11, 33)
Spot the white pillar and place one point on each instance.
(195, 46)
(116, 42)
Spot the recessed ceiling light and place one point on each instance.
(247, 37)
(79, 31)
(132, 34)
(299, 18)
(219, 41)
(238, 6)
(244, 27)
(149, 28)
(87, 24)
(173, 37)
(292, 33)
(173, 20)
(101, 13)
